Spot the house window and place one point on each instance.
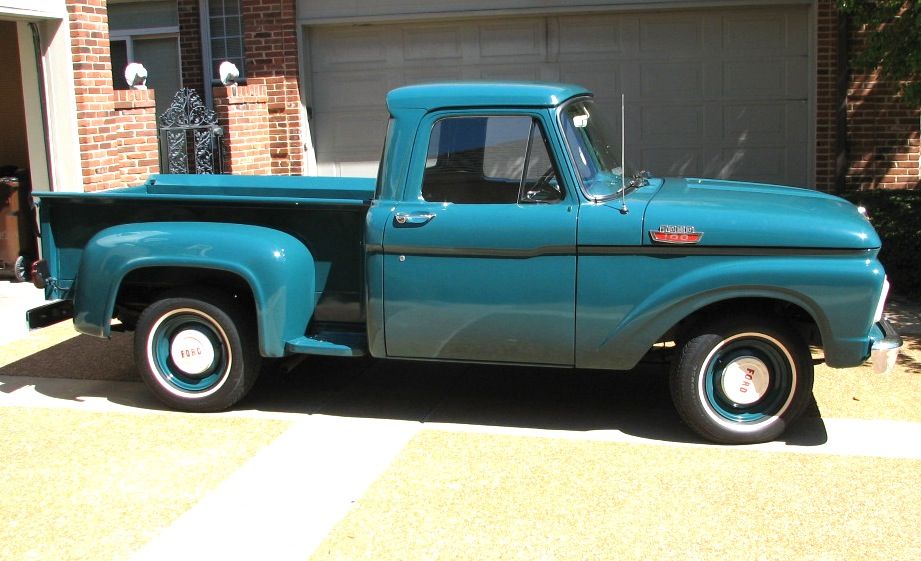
(226, 27)
(146, 32)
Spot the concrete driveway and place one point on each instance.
(345, 459)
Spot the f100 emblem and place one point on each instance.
(681, 235)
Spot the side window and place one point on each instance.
(489, 160)
(540, 183)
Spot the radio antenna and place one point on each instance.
(623, 159)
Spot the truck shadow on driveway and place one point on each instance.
(636, 403)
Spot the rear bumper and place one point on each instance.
(885, 349)
(49, 314)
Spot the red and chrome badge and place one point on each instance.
(682, 235)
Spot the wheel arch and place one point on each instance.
(666, 319)
(794, 313)
(276, 268)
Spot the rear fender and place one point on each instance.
(278, 268)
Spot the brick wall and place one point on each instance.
(883, 135)
(190, 45)
(243, 113)
(878, 145)
(89, 29)
(270, 41)
(827, 99)
(107, 146)
(135, 117)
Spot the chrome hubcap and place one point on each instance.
(192, 352)
(745, 380)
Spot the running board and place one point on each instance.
(329, 344)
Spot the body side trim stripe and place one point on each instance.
(563, 250)
(541, 251)
(719, 251)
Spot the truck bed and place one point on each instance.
(327, 214)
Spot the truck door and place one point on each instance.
(480, 263)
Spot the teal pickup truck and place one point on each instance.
(502, 228)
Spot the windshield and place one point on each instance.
(594, 152)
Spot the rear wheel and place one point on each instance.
(742, 380)
(196, 352)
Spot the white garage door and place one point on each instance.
(717, 93)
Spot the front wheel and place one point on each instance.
(196, 352)
(742, 380)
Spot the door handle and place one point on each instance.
(413, 218)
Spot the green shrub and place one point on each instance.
(896, 215)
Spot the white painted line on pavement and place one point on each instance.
(284, 501)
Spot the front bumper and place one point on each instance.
(885, 350)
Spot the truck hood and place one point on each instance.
(733, 213)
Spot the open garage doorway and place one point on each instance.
(17, 236)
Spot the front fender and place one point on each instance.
(617, 327)
(278, 268)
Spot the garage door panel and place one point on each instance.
(433, 43)
(351, 143)
(342, 49)
(797, 172)
(359, 132)
(679, 161)
(423, 75)
(751, 124)
(511, 72)
(513, 41)
(766, 123)
(604, 81)
(344, 90)
(766, 32)
(671, 80)
(797, 114)
(797, 34)
(758, 34)
(681, 125)
(765, 79)
(797, 88)
(676, 35)
(766, 164)
(597, 37)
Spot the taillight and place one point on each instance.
(40, 273)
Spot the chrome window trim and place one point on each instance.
(572, 157)
(441, 115)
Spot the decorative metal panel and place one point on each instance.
(188, 117)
